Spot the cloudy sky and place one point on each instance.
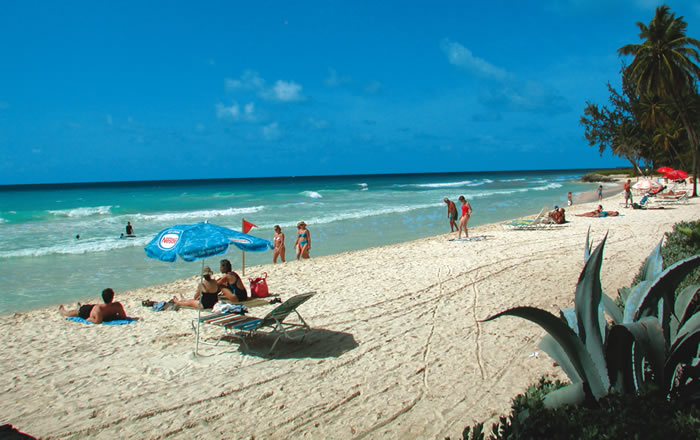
(108, 91)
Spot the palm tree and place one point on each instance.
(663, 66)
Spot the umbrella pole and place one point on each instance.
(199, 312)
(243, 263)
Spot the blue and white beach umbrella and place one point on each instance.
(201, 240)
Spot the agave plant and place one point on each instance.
(655, 337)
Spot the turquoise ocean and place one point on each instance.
(42, 263)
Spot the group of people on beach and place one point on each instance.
(302, 244)
(463, 219)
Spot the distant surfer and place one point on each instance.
(129, 229)
(77, 237)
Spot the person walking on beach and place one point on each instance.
(569, 199)
(628, 192)
(303, 243)
(278, 241)
(466, 213)
(600, 192)
(451, 213)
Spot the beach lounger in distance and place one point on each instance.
(241, 327)
(524, 224)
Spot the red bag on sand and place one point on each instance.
(258, 287)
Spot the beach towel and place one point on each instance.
(479, 238)
(115, 322)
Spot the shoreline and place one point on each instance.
(397, 347)
(611, 189)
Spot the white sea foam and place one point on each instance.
(512, 180)
(363, 186)
(201, 214)
(82, 212)
(312, 194)
(77, 247)
(2, 220)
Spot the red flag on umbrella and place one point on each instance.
(247, 226)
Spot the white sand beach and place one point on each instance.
(396, 350)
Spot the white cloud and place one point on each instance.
(249, 80)
(249, 109)
(271, 131)
(232, 112)
(287, 91)
(462, 57)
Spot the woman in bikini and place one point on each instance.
(278, 241)
(231, 284)
(207, 289)
(466, 213)
(303, 243)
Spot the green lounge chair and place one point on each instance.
(524, 224)
(241, 327)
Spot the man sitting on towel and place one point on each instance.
(98, 313)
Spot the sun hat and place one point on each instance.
(206, 270)
(301, 223)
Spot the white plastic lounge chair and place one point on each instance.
(274, 323)
(524, 224)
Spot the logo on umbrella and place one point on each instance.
(168, 241)
(241, 240)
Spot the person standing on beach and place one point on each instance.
(600, 192)
(570, 199)
(451, 213)
(278, 241)
(129, 229)
(628, 192)
(466, 213)
(303, 243)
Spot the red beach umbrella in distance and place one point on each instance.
(676, 175)
(664, 170)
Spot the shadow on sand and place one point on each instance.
(319, 343)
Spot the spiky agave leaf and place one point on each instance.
(683, 301)
(628, 345)
(550, 346)
(634, 299)
(572, 394)
(611, 309)
(664, 287)
(587, 302)
(569, 341)
(653, 265)
(684, 348)
(589, 246)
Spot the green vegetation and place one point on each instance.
(636, 371)
(655, 119)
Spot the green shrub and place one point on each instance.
(679, 246)
(647, 415)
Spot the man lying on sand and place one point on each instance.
(599, 213)
(98, 313)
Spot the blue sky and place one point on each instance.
(108, 91)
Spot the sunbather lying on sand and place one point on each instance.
(98, 313)
(599, 213)
(206, 288)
